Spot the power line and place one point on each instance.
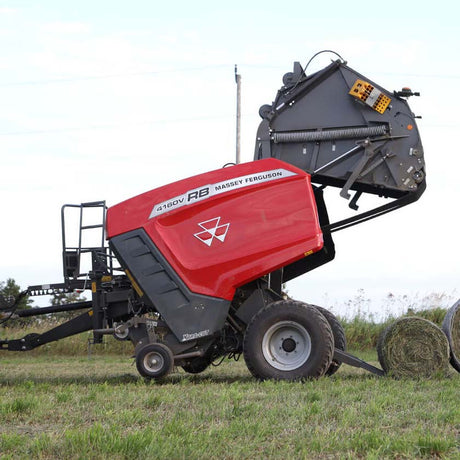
(123, 125)
(118, 75)
(51, 81)
(421, 75)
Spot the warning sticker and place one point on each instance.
(207, 191)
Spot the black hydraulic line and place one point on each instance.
(300, 89)
(5, 304)
(53, 309)
(12, 309)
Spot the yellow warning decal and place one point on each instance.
(134, 283)
(308, 253)
(106, 279)
(370, 95)
(93, 286)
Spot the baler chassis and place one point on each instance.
(194, 271)
(117, 309)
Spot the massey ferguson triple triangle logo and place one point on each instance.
(211, 230)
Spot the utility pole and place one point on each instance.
(238, 115)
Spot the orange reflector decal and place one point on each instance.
(370, 95)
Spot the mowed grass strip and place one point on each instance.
(75, 407)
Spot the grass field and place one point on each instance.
(56, 406)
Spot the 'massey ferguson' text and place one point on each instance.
(206, 191)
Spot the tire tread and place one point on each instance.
(277, 311)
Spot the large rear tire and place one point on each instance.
(340, 341)
(288, 340)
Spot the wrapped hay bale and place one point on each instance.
(413, 347)
(451, 327)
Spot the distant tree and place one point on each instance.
(9, 292)
(64, 298)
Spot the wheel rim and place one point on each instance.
(120, 335)
(286, 345)
(153, 362)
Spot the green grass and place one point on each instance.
(89, 408)
(65, 400)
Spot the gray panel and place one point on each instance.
(188, 315)
(316, 122)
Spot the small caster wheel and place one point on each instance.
(154, 360)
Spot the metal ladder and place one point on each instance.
(71, 255)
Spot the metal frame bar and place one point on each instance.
(409, 198)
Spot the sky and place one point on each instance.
(106, 100)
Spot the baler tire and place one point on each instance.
(340, 341)
(451, 329)
(288, 340)
(154, 360)
(196, 365)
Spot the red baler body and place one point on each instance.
(224, 228)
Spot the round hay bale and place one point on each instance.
(413, 347)
(451, 327)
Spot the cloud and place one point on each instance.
(64, 28)
(8, 10)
